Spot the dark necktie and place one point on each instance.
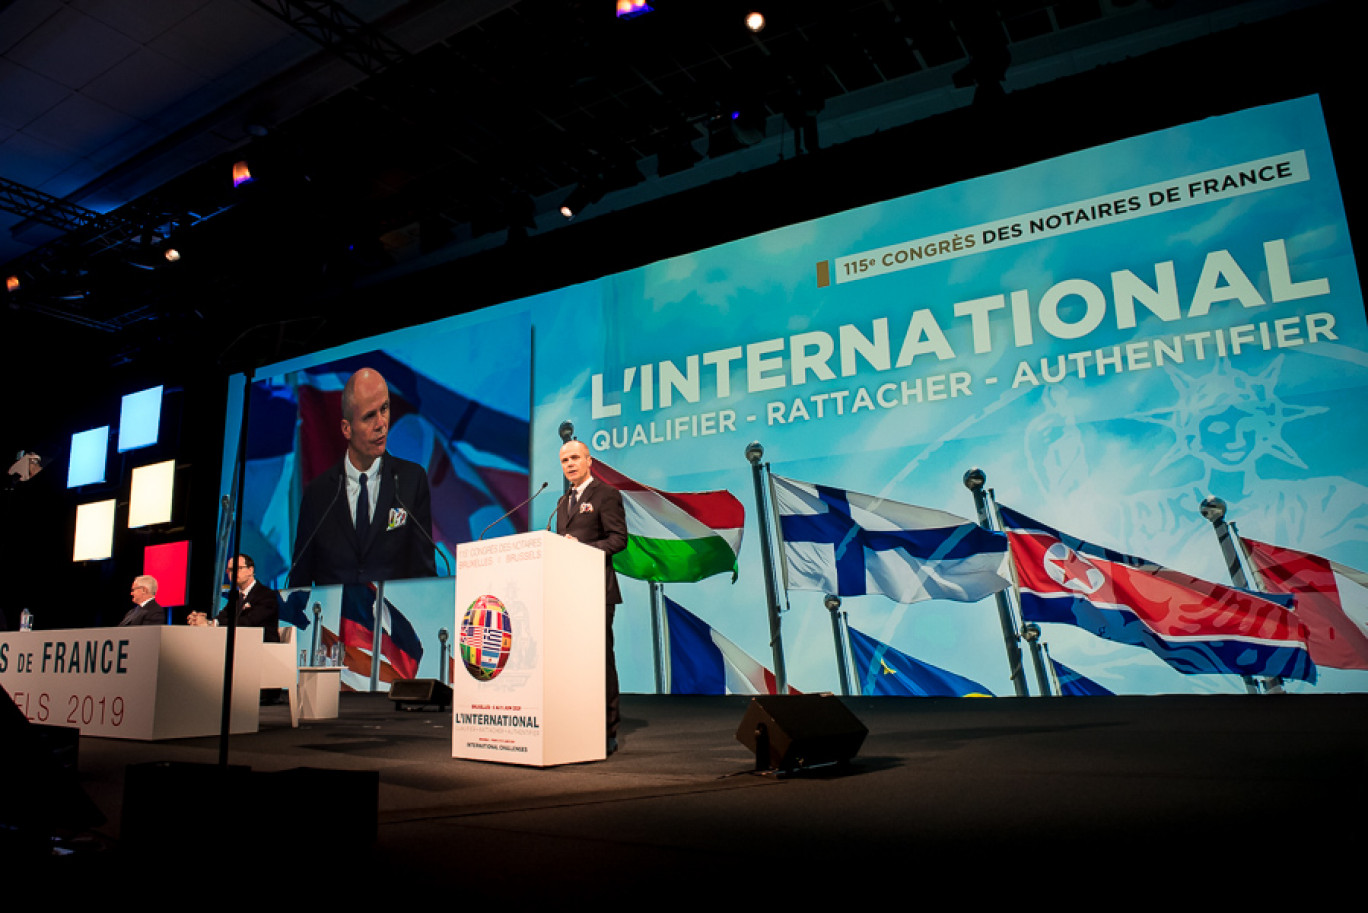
(570, 503)
(362, 509)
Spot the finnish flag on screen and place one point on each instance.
(849, 544)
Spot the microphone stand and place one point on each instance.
(507, 513)
(394, 481)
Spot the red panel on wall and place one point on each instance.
(170, 564)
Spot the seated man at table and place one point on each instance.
(250, 603)
(145, 610)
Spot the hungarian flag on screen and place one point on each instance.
(1331, 600)
(1192, 624)
(675, 537)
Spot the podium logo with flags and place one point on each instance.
(486, 638)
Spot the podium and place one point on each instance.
(528, 677)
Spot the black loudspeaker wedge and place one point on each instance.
(40, 794)
(791, 731)
(420, 691)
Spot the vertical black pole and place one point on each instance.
(226, 718)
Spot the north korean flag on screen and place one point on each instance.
(1192, 624)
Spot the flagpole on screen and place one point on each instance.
(659, 631)
(1056, 689)
(755, 452)
(975, 479)
(1214, 509)
(377, 612)
(1031, 632)
(839, 631)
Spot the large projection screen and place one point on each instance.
(1112, 336)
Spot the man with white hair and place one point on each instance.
(145, 610)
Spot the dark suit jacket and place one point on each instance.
(149, 613)
(261, 609)
(598, 521)
(336, 556)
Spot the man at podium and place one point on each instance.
(591, 512)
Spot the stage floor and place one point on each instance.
(1003, 792)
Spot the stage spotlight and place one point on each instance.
(755, 21)
(579, 198)
(242, 174)
(630, 9)
(171, 254)
(11, 284)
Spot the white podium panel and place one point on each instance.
(528, 685)
(141, 682)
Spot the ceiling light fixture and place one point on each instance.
(630, 9)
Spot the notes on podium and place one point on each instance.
(528, 685)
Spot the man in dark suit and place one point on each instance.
(145, 611)
(251, 604)
(591, 512)
(392, 538)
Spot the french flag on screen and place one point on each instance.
(702, 661)
(401, 651)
